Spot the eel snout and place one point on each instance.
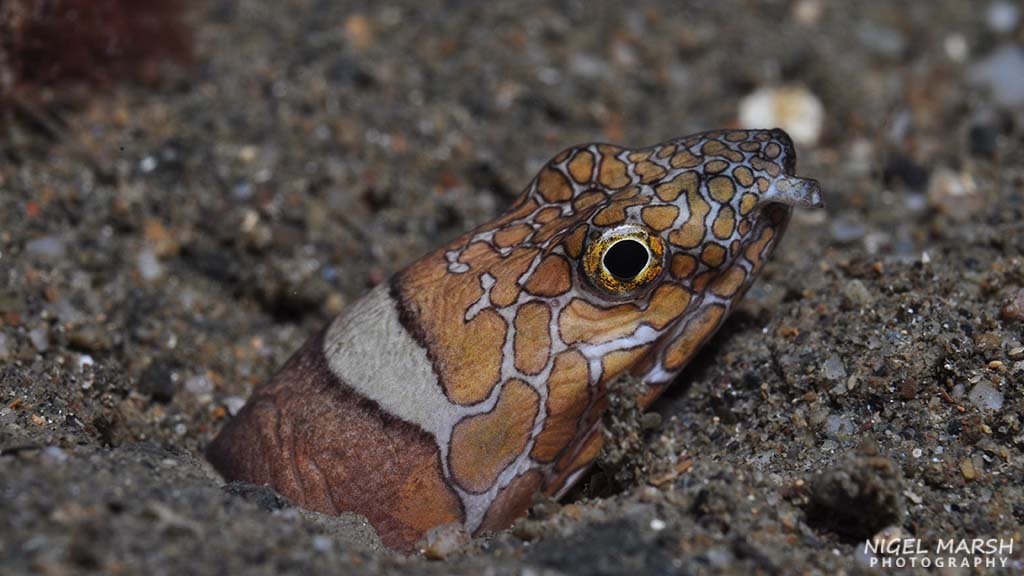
(795, 192)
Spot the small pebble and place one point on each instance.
(241, 191)
(442, 541)
(833, 368)
(887, 535)
(838, 427)
(788, 520)
(1015, 353)
(359, 31)
(880, 39)
(234, 404)
(720, 557)
(545, 508)
(956, 47)
(846, 230)
(67, 312)
(1002, 16)
(589, 66)
(51, 247)
(322, 544)
(199, 385)
(527, 530)
(148, 265)
(913, 496)
(985, 396)
(1002, 74)
(162, 240)
(90, 337)
(335, 304)
(40, 337)
(908, 389)
(859, 157)
(649, 494)
(967, 469)
(792, 108)
(864, 558)
(857, 293)
(808, 12)
(915, 202)
(1014, 308)
(147, 164)
(650, 421)
(988, 341)
(954, 194)
(54, 455)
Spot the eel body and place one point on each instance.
(476, 376)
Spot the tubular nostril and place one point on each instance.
(796, 192)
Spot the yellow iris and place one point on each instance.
(624, 259)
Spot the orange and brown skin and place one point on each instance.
(477, 376)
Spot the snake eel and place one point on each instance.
(476, 376)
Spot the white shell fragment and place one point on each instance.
(792, 108)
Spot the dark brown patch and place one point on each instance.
(512, 502)
(323, 446)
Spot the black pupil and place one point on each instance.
(626, 259)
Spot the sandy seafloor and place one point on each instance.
(172, 246)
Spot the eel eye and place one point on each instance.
(623, 260)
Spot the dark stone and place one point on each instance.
(908, 390)
(346, 72)
(955, 427)
(983, 140)
(902, 170)
(261, 495)
(483, 175)
(159, 381)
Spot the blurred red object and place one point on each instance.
(55, 43)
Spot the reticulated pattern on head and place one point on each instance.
(612, 260)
